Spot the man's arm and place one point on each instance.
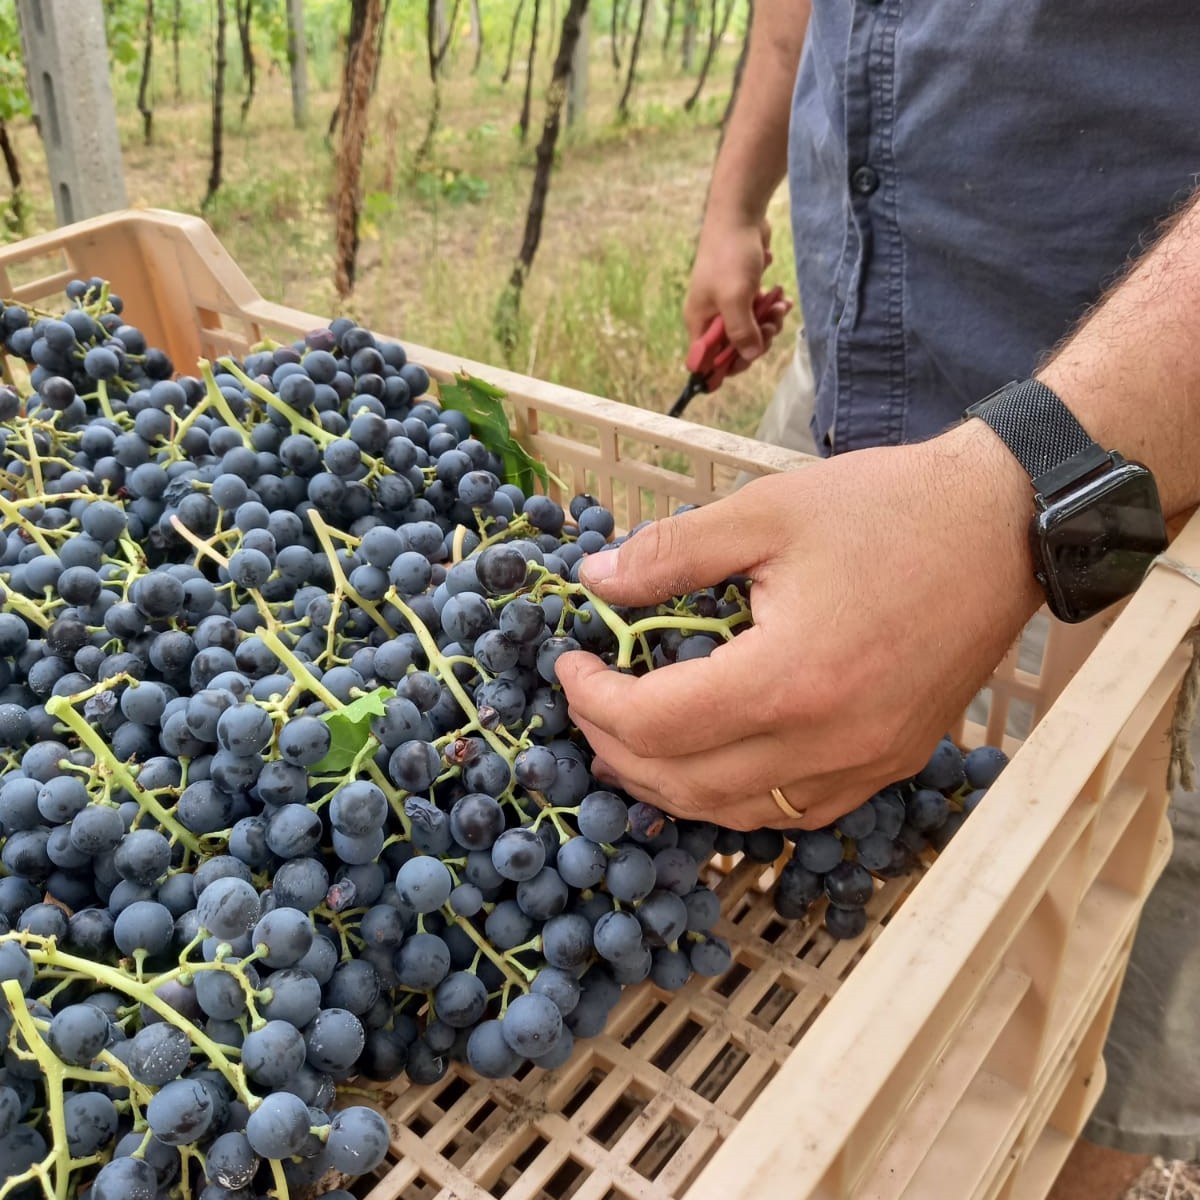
(887, 583)
(752, 161)
(1131, 373)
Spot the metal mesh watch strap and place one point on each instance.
(1042, 434)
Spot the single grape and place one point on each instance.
(90, 1119)
(710, 957)
(272, 1054)
(78, 1033)
(286, 933)
(424, 883)
(927, 809)
(228, 907)
(335, 1039)
(845, 923)
(180, 1113)
(518, 854)
(630, 875)
(120, 1179)
(532, 1025)
(476, 821)
(422, 962)
(849, 885)
(231, 1161)
(618, 936)
(581, 863)
(278, 1127)
(944, 772)
(489, 1054)
(819, 850)
(157, 1053)
(358, 1140)
(603, 816)
(983, 765)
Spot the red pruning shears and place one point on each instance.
(712, 355)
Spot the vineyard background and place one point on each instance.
(440, 230)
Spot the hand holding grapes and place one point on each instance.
(887, 585)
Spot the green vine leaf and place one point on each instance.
(350, 727)
(481, 402)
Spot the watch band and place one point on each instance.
(1042, 434)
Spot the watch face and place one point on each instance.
(1094, 546)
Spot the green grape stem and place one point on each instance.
(437, 665)
(62, 708)
(299, 424)
(218, 401)
(57, 1161)
(14, 514)
(500, 961)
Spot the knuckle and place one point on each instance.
(687, 800)
(635, 729)
(779, 709)
(657, 544)
(636, 738)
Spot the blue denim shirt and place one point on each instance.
(965, 179)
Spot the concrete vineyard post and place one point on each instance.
(66, 60)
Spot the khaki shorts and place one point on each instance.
(787, 420)
(1151, 1103)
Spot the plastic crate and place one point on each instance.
(954, 1049)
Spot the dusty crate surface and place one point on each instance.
(639, 1109)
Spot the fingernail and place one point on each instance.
(751, 354)
(598, 567)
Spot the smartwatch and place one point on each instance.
(1097, 523)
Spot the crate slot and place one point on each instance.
(927, 1115)
(1110, 824)
(773, 1005)
(990, 1104)
(620, 1116)
(677, 1047)
(727, 984)
(656, 1159)
(1043, 1165)
(572, 1104)
(37, 278)
(565, 1182)
(1095, 952)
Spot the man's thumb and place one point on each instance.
(675, 556)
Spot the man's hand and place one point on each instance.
(731, 257)
(887, 584)
(734, 246)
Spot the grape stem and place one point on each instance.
(218, 401)
(14, 514)
(62, 708)
(53, 1073)
(499, 961)
(437, 663)
(298, 423)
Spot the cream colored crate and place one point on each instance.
(953, 1050)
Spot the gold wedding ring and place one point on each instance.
(784, 807)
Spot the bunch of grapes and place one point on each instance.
(883, 838)
(289, 793)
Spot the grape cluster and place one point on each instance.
(289, 793)
(883, 838)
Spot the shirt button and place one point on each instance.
(864, 180)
